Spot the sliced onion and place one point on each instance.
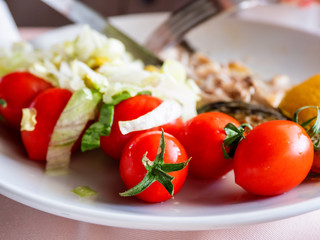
(167, 111)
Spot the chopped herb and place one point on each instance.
(84, 192)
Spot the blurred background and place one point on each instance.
(28, 13)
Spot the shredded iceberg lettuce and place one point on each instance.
(96, 68)
(72, 121)
(17, 57)
(92, 60)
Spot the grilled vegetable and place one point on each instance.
(244, 112)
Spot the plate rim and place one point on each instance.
(143, 222)
(136, 221)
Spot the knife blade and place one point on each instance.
(78, 12)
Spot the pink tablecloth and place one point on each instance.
(19, 222)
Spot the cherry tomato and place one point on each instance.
(133, 171)
(18, 89)
(48, 105)
(316, 162)
(274, 157)
(130, 109)
(202, 138)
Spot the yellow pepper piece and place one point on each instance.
(306, 93)
(97, 62)
(151, 68)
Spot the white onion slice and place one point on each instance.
(166, 112)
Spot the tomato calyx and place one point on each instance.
(233, 138)
(157, 170)
(3, 102)
(314, 130)
(145, 92)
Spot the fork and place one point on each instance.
(172, 30)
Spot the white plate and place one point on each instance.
(200, 205)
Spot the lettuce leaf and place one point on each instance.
(71, 123)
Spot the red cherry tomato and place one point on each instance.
(202, 138)
(48, 105)
(133, 171)
(274, 157)
(18, 89)
(130, 109)
(316, 162)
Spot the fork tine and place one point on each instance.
(186, 9)
(193, 18)
(200, 11)
(175, 34)
(180, 22)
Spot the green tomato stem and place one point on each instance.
(314, 130)
(3, 102)
(233, 138)
(157, 170)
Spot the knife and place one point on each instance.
(78, 12)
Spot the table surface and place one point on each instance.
(22, 222)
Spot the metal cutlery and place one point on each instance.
(195, 12)
(78, 12)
